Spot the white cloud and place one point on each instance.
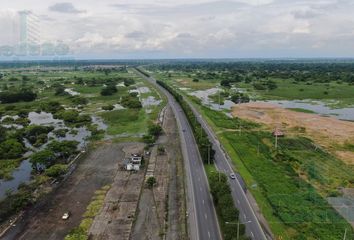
(193, 28)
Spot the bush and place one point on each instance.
(109, 90)
(56, 170)
(150, 182)
(11, 149)
(108, 107)
(128, 82)
(130, 102)
(22, 95)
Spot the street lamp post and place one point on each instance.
(238, 227)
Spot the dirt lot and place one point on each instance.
(93, 172)
(116, 217)
(326, 131)
(161, 210)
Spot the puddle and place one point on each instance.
(143, 89)
(317, 107)
(43, 118)
(71, 92)
(150, 101)
(99, 122)
(20, 175)
(203, 95)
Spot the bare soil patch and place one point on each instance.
(116, 217)
(326, 131)
(93, 172)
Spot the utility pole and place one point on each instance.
(209, 154)
(219, 99)
(238, 229)
(345, 234)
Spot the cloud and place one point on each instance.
(65, 7)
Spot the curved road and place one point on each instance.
(203, 223)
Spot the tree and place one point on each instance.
(79, 100)
(42, 159)
(155, 130)
(150, 182)
(24, 95)
(130, 102)
(56, 170)
(11, 149)
(225, 83)
(63, 149)
(109, 90)
(128, 82)
(60, 91)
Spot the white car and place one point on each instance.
(66, 216)
(232, 176)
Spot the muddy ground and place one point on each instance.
(326, 131)
(93, 172)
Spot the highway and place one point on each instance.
(238, 188)
(202, 219)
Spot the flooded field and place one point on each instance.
(318, 107)
(23, 173)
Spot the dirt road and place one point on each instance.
(93, 172)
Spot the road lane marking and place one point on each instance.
(252, 234)
(205, 215)
(244, 215)
(208, 234)
(203, 202)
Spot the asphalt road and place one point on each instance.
(203, 223)
(238, 188)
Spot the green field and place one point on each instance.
(290, 184)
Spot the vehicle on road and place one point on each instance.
(66, 216)
(232, 176)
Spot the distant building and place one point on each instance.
(29, 33)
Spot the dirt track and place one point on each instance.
(94, 171)
(326, 131)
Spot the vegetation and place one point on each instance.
(14, 96)
(200, 135)
(81, 232)
(227, 213)
(150, 182)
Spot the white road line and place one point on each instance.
(244, 215)
(205, 215)
(208, 234)
(252, 234)
(203, 202)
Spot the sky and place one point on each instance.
(189, 28)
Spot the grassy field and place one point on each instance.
(294, 206)
(125, 121)
(291, 183)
